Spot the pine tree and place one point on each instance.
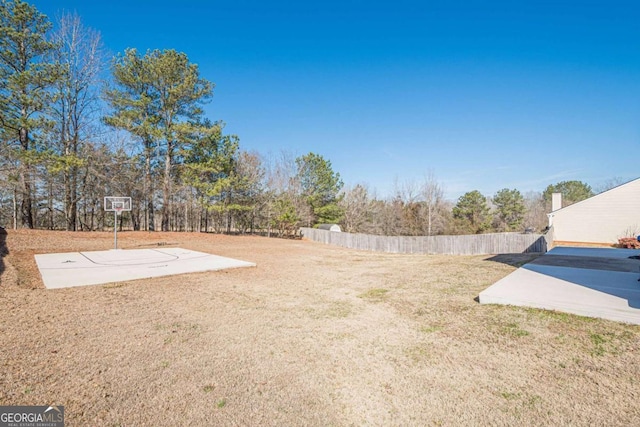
(509, 209)
(320, 186)
(25, 78)
(472, 213)
(157, 98)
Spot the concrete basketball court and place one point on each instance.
(593, 282)
(93, 268)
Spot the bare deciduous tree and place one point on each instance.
(79, 51)
(432, 194)
(356, 206)
(535, 215)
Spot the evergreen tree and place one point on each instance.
(320, 186)
(25, 78)
(158, 98)
(208, 166)
(132, 106)
(510, 209)
(572, 192)
(472, 213)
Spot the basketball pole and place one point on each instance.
(117, 205)
(115, 229)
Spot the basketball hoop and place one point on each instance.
(116, 205)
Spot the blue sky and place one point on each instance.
(485, 95)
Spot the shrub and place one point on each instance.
(629, 243)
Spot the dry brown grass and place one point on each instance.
(315, 335)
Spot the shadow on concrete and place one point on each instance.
(613, 276)
(623, 264)
(4, 251)
(593, 282)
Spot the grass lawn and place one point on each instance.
(314, 335)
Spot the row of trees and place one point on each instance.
(48, 101)
(69, 138)
(71, 134)
(419, 208)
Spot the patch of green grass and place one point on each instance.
(208, 388)
(561, 338)
(338, 309)
(509, 395)
(113, 285)
(524, 399)
(597, 339)
(418, 353)
(557, 315)
(514, 330)
(340, 335)
(375, 294)
(221, 403)
(534, 400)
(451, 290)
(429, 329)
(561, 316)
(601, 344)
(611, 342)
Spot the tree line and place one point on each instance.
(71, 135)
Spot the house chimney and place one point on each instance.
(556, 201)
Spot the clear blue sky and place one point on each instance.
(485, 94)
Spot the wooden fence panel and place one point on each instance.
(476, 244)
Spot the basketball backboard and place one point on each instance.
(117, 204)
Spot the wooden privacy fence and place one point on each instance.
(475, 244)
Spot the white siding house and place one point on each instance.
(603, 218)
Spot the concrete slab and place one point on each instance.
(594, 252)
(99, 267)
(594, 282)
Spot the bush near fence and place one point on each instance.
(476, 244)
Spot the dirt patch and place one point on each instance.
(315, 335)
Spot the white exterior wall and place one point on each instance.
(603, 218)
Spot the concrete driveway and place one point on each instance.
(594, 282)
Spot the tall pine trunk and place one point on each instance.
(166, 188)
(26, 205)
(149, 189)
(70, 198)
(71, 189)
